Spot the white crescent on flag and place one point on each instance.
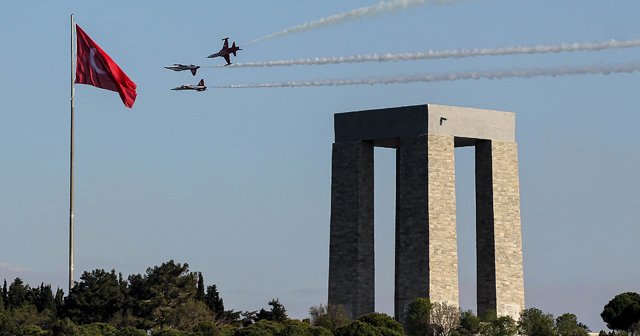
(92, 62)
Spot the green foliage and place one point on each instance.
(534, 322)
(277, 312)
(330, 317)
(97, 329)
(28, 315)
(96, 298)
(261, 328)
(31, 330)
(64, 327)
(200, 289)
(188, 315)
(357, 328)
(163, 288)
(44, 298)
(213, 301)
(383, 323)
(18, 294)
(59, 301)
(131, 331)
(210, 328)
(501, 326)
(568, 325)
(469, 324)
(622, 311)
(417, 317)
(169, 332)
(5, 290)
(296, 328)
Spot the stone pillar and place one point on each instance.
(500, 282)
(426, 245)
(351, 250)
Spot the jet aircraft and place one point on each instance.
(199, 87)
(183, 67)
(226, 51)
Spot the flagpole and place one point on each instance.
(71, 161)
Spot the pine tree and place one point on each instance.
(44, 299)
(59, 300)
(18, 294)
(214, 302)
(278, 312)
(4, 294)
(200, 296)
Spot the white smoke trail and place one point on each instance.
(456, 53)
(381, 7)
(454, 76)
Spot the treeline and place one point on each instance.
(170, 300)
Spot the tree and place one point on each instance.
(188, 315)
(45, 299)
(96, 298)
(622, 311)
(261, 328)
(200, 289)
(4, 294)
(160, 290)
(417, 317)
(383, 323)
(469, 324)
(444, 318)
(534, 322)
(357, 328)
(18, 294)
(214, 302)
(59, 301)
(568, 325)
(96, 329)
(277, 312)
(501, 326)
(330, 317)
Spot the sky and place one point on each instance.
(236, 181)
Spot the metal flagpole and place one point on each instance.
(71, 160)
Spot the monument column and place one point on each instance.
(500, 282)
(426, 245)
(351, 250)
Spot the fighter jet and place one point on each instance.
(183, 67)
(226, 51)
(199, 87)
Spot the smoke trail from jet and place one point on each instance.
(456, 53)
(381, 7)
(454, 76)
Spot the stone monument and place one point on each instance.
(426, 257)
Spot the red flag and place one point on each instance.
(95, 67)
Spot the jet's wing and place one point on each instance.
(226, 44)
(226, 58)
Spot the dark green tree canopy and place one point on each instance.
(18, 294)
(622, 311)
(417, 317)
(382, 322)
(96, 298)
(568, 325)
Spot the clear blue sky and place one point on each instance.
(236, 182)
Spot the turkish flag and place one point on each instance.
(95, 67)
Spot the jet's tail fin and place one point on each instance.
(193, 71)
(234, 48)
(201, 83)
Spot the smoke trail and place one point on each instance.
(454, 76)
(457, 53)
(381, 7)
